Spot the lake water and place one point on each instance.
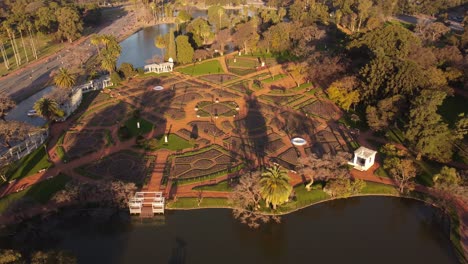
(355, 230)
(139, 48)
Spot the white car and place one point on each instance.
(32, 113)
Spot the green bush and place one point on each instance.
(127, 71)
(124, 133)
(115, 78)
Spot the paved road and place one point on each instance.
(30, 79)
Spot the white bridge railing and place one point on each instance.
(154, 200)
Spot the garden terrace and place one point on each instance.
(76, 144)
(108, 115)
(242, 86)
(206, 67)
(280, 99)
(183, 99)
(224, 94)
(218, 78)
(175, 113)
(205, 163)
(320, 108)
(124, 165)
(207, 128)
(226, 108)
(288, 158)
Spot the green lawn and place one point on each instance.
(379, 188)
(303, 198)
(30, 164)
(41, 192)
(427, 170)
(242, 62)
(381, 172)
(274, 78)
(174, 142)
(192, 202)
(145, 126)
(207, 67)
(220, 187)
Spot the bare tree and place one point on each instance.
(324, 168)
(403, 171)
(111, 194)
(6, 104)
(11, 131)
(246, 198)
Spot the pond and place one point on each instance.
(139, 48)
(355, 230)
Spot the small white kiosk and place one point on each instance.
(363, 158)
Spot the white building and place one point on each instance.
(97, 84)
(363, 158)
(159, 67)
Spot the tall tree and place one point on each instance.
(184, 49)
(161, 44)
(70, 24)
(344, 92)
(429, 135)
(171, 46)
(274, 186)
(246, 36)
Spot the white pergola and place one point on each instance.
(159, 67)
(152, 200)
(363, 158)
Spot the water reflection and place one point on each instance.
(371, 230)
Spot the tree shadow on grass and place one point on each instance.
(256, 127)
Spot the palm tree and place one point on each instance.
(48, 108)
(96, 41)
(64, 78)
(274, 186)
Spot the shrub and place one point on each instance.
(124, 133)
(115, 78)
(127, 70)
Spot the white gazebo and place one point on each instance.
(363, 158)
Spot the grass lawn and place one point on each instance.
(189, 202)
(303, 198)
(30, 164)
(379, 188)
(381, 172)
(274, 78)
(207, 67)
(145, 126)
(40, 192)
(242, 62)
(220, 187)
(427, 170)
(174, 142)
